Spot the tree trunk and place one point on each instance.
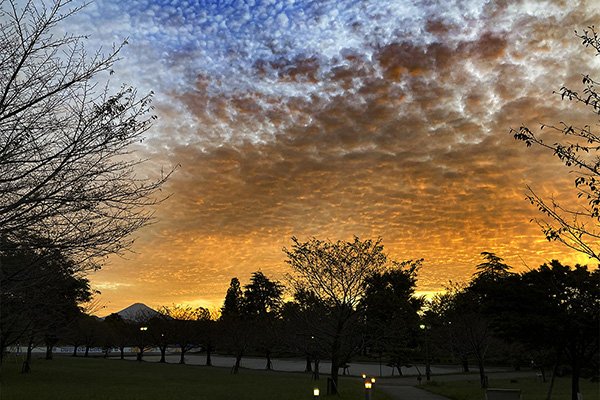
(208, 359)
(75, 348)
(49, 352)
(399, 368)
(122, 350)
(163, 350)
(552, 379)
(465, 364)
(106, 351)
(238, 360)
(575, 374)
(269, 365)
(482, 377)
(335, 362)
(27, 363)
(308, 367)
(182, 355)
(87, 351)
(316, 371)
(335, 369)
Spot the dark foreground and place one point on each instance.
(67, 378)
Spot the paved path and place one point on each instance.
(402, 388)
(298, 365)
(397, 387)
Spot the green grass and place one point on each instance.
(68, 378)
(531, 388)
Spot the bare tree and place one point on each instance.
(183, 326)
(577, 147)
(334, 275)
(67, 172)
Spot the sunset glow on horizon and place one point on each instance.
(331, 119)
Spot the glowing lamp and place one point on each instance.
(368, 385)
(364, 376)
(372, 380)
(316, 393)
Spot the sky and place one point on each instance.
(330, 119)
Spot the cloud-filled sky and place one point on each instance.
(335, 118)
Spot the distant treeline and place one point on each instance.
(346, 300)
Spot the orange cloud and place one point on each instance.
(407, 141)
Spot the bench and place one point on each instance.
(503, 394)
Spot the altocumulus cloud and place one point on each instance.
(335, 118)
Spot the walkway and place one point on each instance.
(404, 388)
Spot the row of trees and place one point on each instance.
(546, 317)
(31, 310)
(348, 299)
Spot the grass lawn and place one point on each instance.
(531, 388)
(67, 378)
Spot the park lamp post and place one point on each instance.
(425, 329)
(316, 393)
(368, 386)
(143, 330)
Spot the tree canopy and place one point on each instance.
(261, 296)
(233, 300)
(333, 276)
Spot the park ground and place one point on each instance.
(68, 378)
(467, 386)
(99, 379)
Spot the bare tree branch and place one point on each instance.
(68, 176)
(577, 147)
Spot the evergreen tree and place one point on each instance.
(233, 300)
(492, 268)
(262, 296)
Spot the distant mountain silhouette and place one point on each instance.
(137, 312)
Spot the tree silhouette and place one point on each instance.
(261, 304)
(492, 268)
(261, 296)
(67, 172)
(183, 326)
(122, 332)
(233, 300)
(577, 147)
(391, 311)
(32, 313)
(553, 308)
(334, 275)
